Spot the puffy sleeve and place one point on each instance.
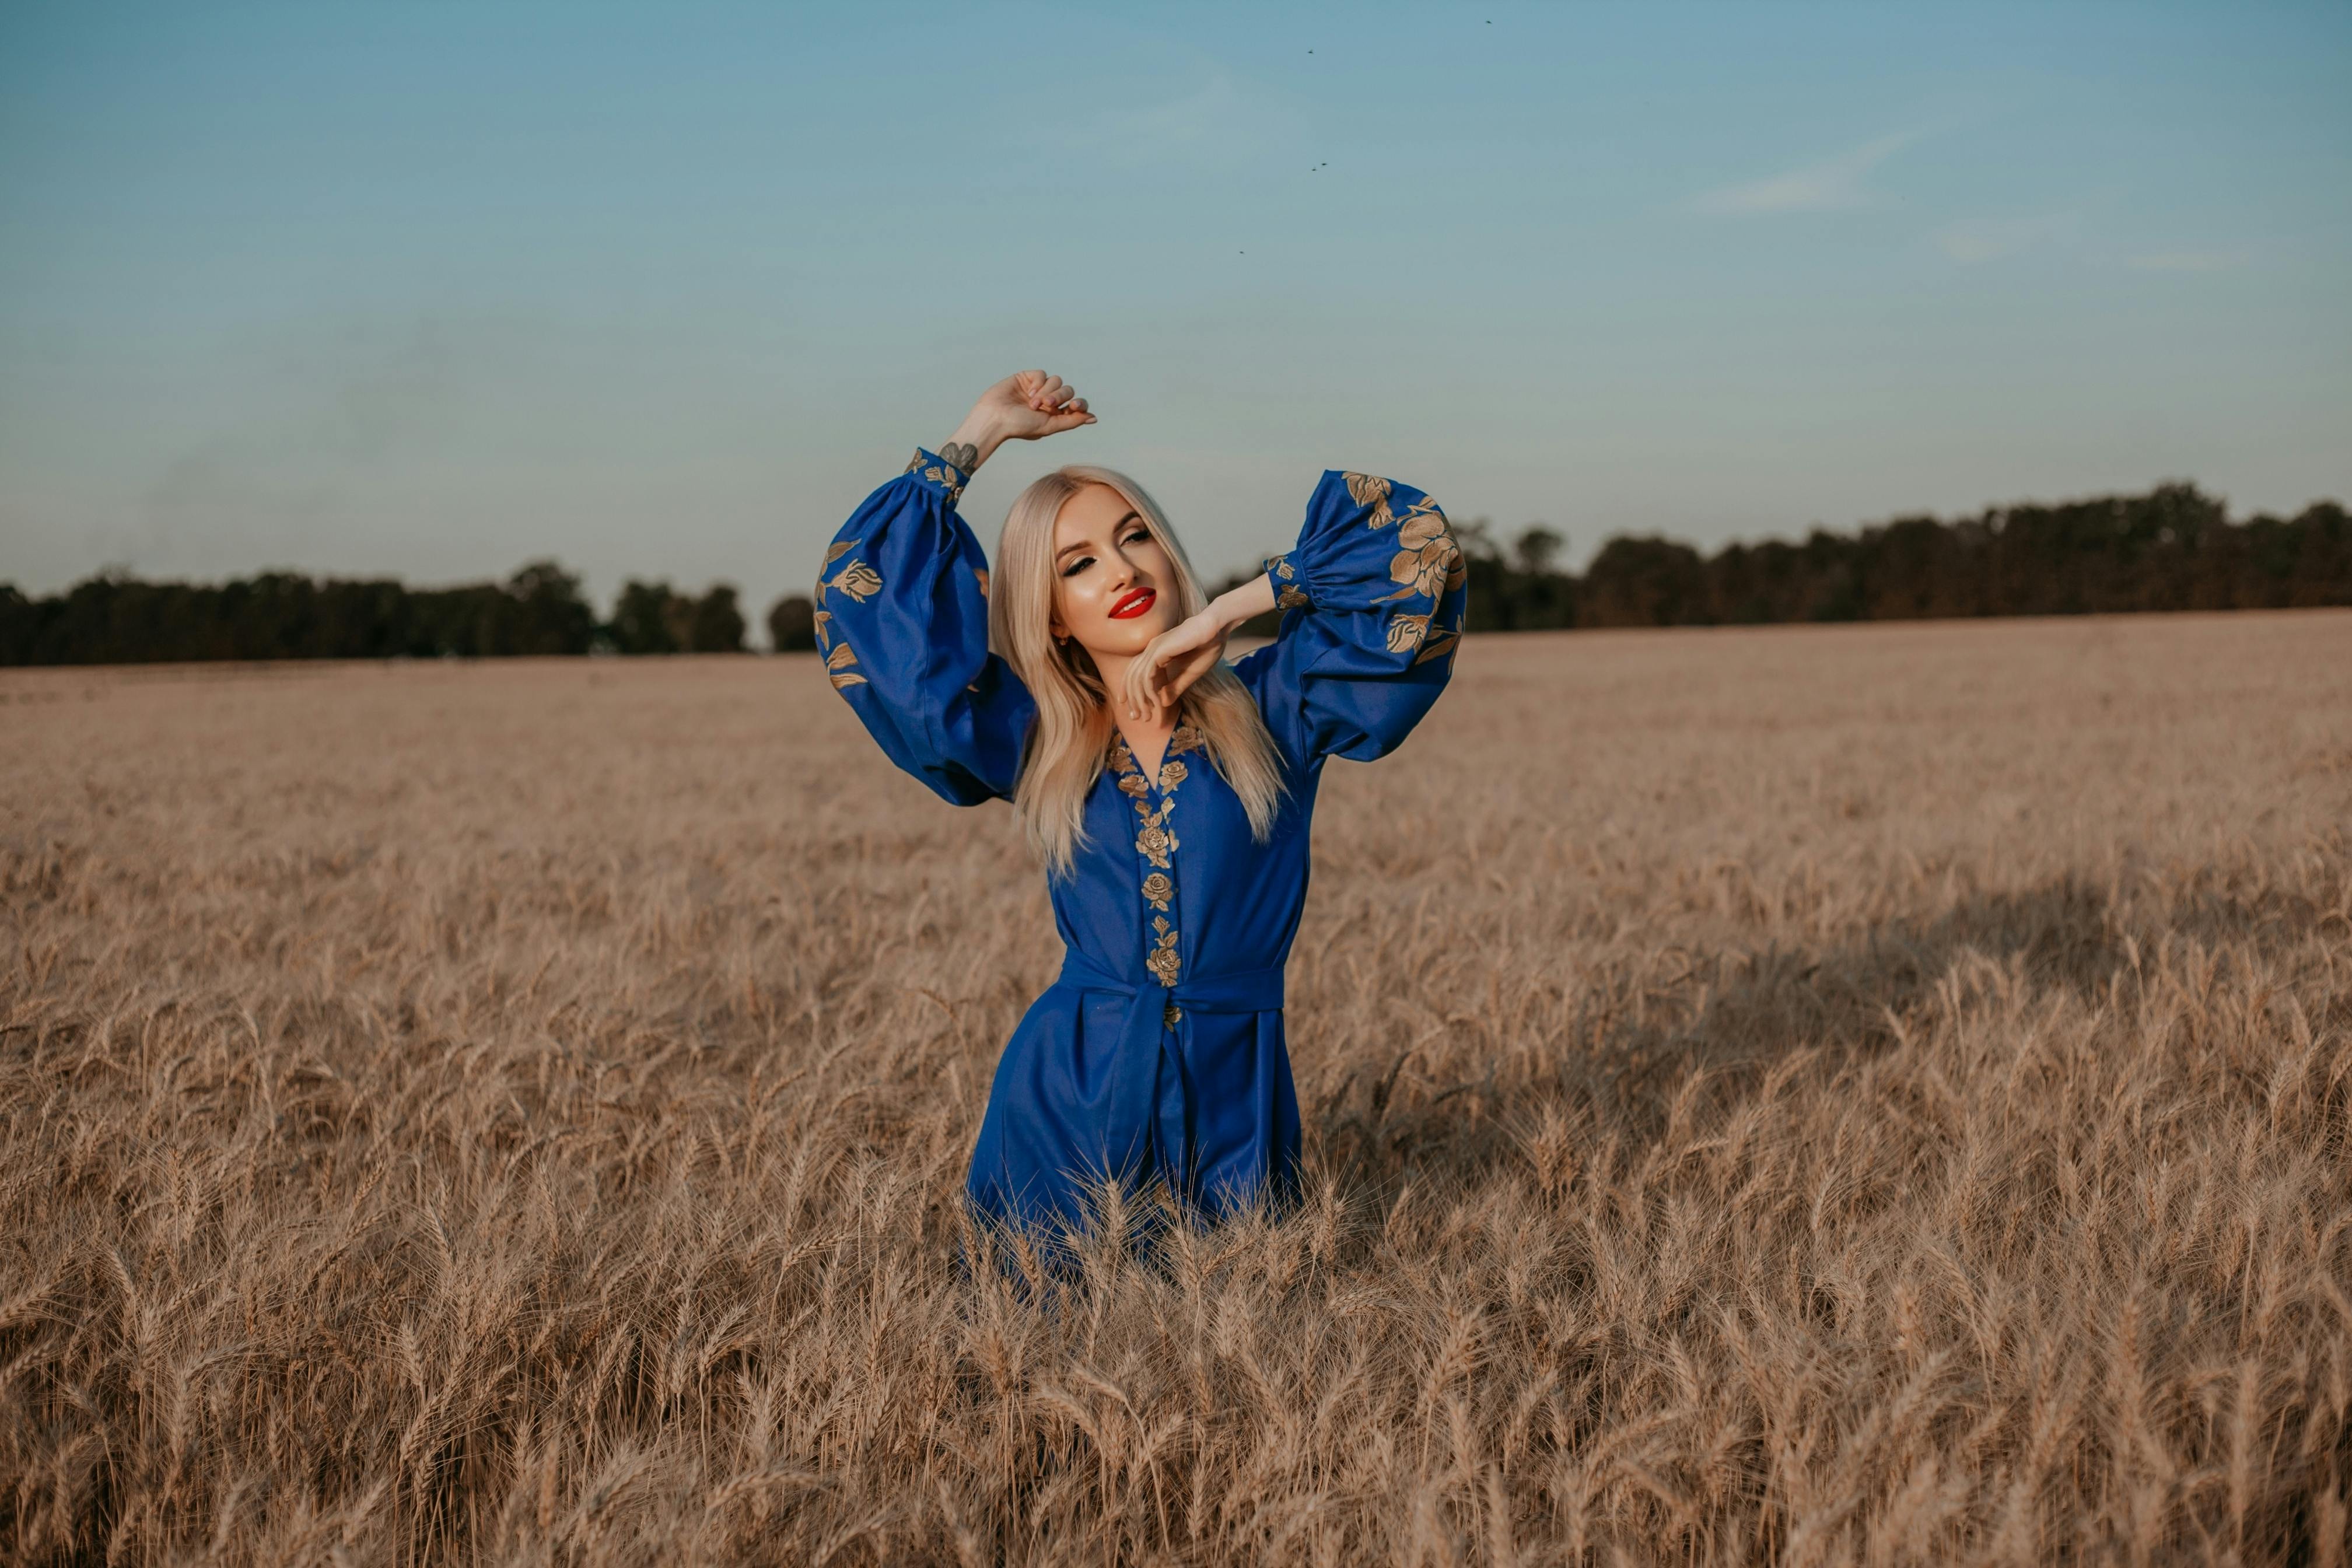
(902, 623)
(1374, 596)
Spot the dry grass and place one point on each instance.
(1813, 1096)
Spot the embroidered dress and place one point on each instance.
(1158, 1050)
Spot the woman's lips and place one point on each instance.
(1132, 604)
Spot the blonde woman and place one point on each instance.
(1167, 793)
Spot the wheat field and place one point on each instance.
(1809, 1096)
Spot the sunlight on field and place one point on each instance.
(1855, 1094)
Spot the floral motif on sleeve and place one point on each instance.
(857, 580)
(1428, 561)
(940, 472)
(1443, 644)
(1428, 564)
(838, 662)
(1289, 594)
(1372, 490)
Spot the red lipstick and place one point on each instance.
(1132, 603)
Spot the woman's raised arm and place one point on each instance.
(1378, 592)
(902, 606)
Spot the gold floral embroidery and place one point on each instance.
(857, 580)
(942, 474)
(982, 573)
(833, 553)
(1172, 1014)
(1287, 592)
(1162, 959)
(823, 637)
(1155, 841)
(1406, 632)
(1429, 561)
(1372, 490)
(1441, 645)
(838, 661)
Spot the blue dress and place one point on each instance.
(1158, 1050)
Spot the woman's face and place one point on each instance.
(1115, 589)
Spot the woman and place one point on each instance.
(1167, 793)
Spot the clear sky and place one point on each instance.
(431, 288)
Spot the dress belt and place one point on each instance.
(1135, 1074)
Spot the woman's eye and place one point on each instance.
(1080, 565)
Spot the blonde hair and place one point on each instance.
(1066, 747)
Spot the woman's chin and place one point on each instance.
(1127, 636)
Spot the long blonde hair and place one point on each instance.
(1065, 754)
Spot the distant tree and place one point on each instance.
(1536, 548)
(791, 625)
(553, 617)
(641, 619)
(1645, 581)
(715, 623)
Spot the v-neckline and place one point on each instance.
(1151, 774)
(1181, 737)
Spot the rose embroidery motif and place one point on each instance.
(1429, 560)
(857, 580)
(1405, 632)
(1162, 961)
(1157, 890)
(1372, 490)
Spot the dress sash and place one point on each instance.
(1146, 1034)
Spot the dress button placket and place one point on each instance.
(1156, 845)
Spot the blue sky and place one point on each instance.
(431, 288)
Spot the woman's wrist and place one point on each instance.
(974, 441)
(1234, 606)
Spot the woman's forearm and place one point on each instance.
(973, 442)
(1234, 606)
(1024, 406)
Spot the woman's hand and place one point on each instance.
(1024, 406)
(1172, 662)
(1188, 650)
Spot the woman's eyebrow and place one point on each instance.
(1085, 544)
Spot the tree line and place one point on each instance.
(2174, 547)
(117, 619)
